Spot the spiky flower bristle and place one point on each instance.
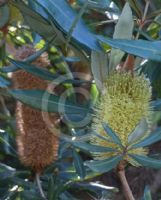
(37, 146)
(124, 103)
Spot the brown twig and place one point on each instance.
(143, 20)
(126, 189)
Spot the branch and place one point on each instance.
(121, 173)
(40, 187)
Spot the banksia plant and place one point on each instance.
(37, 146)
(124, 105)
(122, 127)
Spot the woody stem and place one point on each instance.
(126, 189)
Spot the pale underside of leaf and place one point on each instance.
(123, 30)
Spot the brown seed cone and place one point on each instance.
(37, 146)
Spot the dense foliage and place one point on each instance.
(80, 99)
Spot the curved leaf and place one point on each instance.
(42, 100)
(64, 20)
(4, 82)
(37, 23)
(103, 165)
(112, 134)
(152, 138)
(140, 130)
(142, 48)
(78, 163)
(44, 73)
(91, 148)
(37, 71)
(156, 105)
(147, 161)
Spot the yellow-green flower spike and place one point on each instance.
(126, 100)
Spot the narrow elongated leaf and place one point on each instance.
(4, 15)
(152, 138)
(79, 166)
(9, 69)
(64, 20)
(126, 21)
(51, 188)
(135, 6)
(147, 161)
(147, 194)
(44, 73)
(42, 100)
(76, 20)
(29, 59)
(91, 148)
(99, 66)
(4, 82)
(101, 5)
(112, 134)
(142, 48)
(156, 105)
(37, 23)
(140, 131)
(37, 71)
(103, 165)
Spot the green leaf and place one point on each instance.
(36, 22)
(6, 171)
(4, 82)
(45, 101)
(30, 195)
(29, 59)
(152, 138)
(91, 148)
(142, 48)
(76, 20)
(37, 71)
(140, 131)
(44, 73)
(63, 16)
(147, 194)
(99, 66)
(51, 188)
(99, 5)
(135, 6)
(112, 134)
(4, 15)
(156, 105)
(126, 21)
(78, 163)
(103, 165)
(146, 161)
